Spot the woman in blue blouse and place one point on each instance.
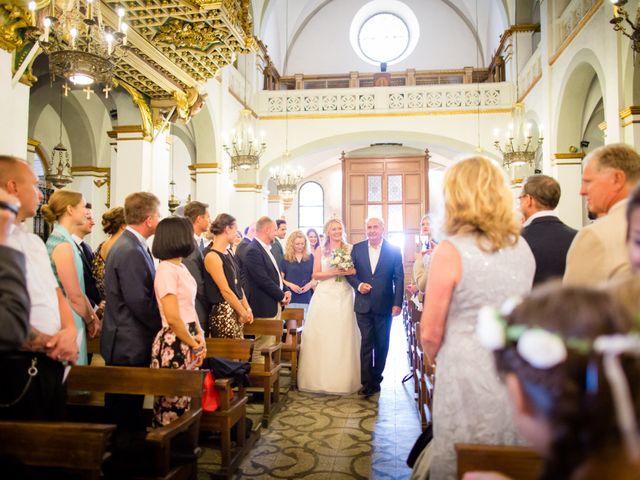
(66, 210)
(297, 269)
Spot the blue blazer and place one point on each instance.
(131, 317)
(262, 282)
(387, 281)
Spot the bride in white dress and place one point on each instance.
(330, 350)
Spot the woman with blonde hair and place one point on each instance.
(66, 210)
(297, 269)
(330, 350)
(113, 224)
(483, 261)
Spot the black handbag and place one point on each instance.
(421, 443)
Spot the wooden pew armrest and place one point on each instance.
(164, 434)
(223, 387)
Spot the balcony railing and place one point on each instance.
(349, 101)
(395, 79)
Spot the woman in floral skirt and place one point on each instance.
(180, 343)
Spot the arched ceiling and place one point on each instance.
(470, 27)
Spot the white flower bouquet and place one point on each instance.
(342, 260)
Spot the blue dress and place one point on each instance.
(299, 273)
(59, 236)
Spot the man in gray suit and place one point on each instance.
(198, 215)
(131, 317)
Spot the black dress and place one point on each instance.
(223, 319)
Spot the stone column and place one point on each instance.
(630, 123)
(131, 165)
(208, 177)
(274, 207)
(567, 169)
(15, 109)
(249, 203)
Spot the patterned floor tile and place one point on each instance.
(317, 437)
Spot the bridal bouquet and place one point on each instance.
(341, 259)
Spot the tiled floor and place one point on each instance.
(332, 437)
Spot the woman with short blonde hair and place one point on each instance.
(482, 262)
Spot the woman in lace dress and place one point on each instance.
(483, 261)
(330, 350)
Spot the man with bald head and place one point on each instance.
(599, 253)
(52, 336)
(379, 288)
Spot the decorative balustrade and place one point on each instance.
(531, 73)
(575, 13)
(387, 99)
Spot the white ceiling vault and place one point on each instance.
(453, 34)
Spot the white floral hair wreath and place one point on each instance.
(543, 350)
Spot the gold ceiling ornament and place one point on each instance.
(181, 34)
(14, 19)
(198, 37)
(143, 106)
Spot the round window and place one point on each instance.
(384, 31)
(384, 37)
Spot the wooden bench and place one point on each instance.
(294, 324)
(230, 412)
(266, 376)
(80, 448)
(159, 442)
(515, 462)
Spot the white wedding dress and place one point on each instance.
(330, 350)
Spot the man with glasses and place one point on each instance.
(131, 317)
(548, 238)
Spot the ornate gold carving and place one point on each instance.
(187, 35)
(13, 18)
(143, 105)
(198, 36)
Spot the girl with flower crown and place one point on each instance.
(572, 370)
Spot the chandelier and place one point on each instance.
(286, 179)
(621, 15)
(81, 48)
(59, 171)
(518, 148)
(245, 149)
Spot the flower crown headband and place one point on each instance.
(543, 350)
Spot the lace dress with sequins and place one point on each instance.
(470, 401)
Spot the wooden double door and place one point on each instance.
(395, 189)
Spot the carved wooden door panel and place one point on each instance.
(395, 189)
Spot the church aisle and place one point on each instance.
(331, 437)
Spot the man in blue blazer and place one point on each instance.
(131, 318)
(379, 286)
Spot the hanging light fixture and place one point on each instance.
(518, 147)
(59, 171)
(173, 202)
(81, 48)
(620, 15)
(245, 148)
(285, 177)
